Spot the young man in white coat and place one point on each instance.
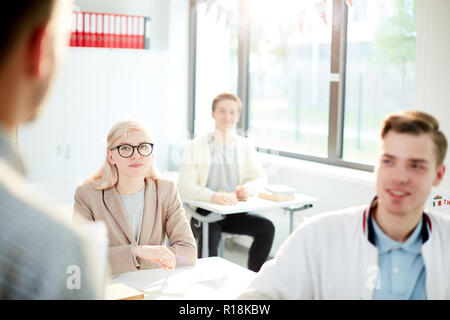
(390, 249)
(223, 167)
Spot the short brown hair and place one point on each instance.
(417, 123)
(226, 96)
(17, 18)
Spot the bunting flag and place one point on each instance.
(321, 8)
(219, 13)
(301, 20)
(229, 17)
(221, 9)
(349, 2)
(197, 2)
(283, 28)
(259, 32)
(209, 3)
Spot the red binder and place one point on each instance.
(93, 29)
(80, 29)
(129, 32)
(141, 32)
(123, 31)
(108, 27)
(134, 33)
(73, 33)
(87, 30)
(100, 34)
(116, 36)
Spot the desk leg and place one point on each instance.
(291, 220)
(205, 242)
(205, 221)
(291, 215)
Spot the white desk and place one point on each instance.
(211, 278)
(300, 202)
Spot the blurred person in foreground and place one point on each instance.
(42, 256)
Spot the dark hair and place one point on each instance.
(417, 122)
(18, 17)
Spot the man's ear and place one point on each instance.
(36, 53)
(439, 175)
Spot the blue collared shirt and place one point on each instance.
(402, 270)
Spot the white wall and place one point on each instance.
(432, 90)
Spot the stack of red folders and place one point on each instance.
(107, 30)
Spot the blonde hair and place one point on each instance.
(107, 176)
(227, 96)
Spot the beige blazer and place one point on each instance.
(163, 214)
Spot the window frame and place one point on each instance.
(337, 84)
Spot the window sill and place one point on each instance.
(318, 169)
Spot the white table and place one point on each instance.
(211, 278)
(301, 202)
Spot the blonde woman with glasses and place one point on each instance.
(138, 207)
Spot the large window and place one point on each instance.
(216, 67)
(289, 69)
(381, 46)
(319, 75)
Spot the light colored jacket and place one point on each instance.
(163, 214)
(330, 257)
(196, 163)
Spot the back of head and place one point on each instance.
(19, 17)
(416, 123)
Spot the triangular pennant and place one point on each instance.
(219, 12)
(301, 20)
(197, 2)
(282, 28)
(260, 31)
(209, 3)
(349, 2)
(321, 8)
(229, 16)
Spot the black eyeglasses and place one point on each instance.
(126, 150)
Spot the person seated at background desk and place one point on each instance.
(139, 208)
(390, 249)
(223, 168)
